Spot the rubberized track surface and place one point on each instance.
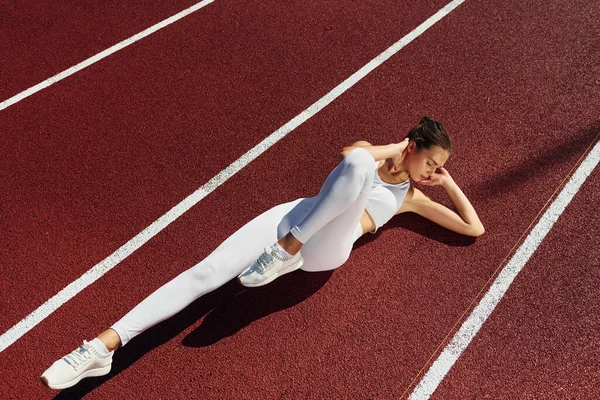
(94, 159)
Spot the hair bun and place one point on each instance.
(430, 133)
(425, 120)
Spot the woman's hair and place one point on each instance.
(430, 133)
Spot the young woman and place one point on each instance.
(368, 187)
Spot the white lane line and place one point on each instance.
(27, 323)
(86, 63)
(480, 314)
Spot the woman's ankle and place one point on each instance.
(110, 339)
(290, 244)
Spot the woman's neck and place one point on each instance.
(388, 175)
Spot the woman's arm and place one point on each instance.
(379, 153)
(464, 221)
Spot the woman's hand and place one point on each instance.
(440, 177)
(399, 156)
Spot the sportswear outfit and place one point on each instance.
(327, 225)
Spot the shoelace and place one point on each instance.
(265, 261)
(78, 357)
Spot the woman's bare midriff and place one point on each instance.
(366, 222)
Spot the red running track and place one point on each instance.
(97, 158)
(43, 38)
(543, 340)
(506, 81)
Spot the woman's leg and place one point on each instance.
(228, 260)
(329, 246)
(351, 178)
(222, 265)
(332, 215)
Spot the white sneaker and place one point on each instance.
(80, 363)
(269, 266)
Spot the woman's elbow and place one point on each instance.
(348, 149)
(477, 231)
(344, 153)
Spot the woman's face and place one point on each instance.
(422, 164)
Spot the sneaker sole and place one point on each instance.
(94, 372)
(298, 264)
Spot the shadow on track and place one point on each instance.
(233, 308)
(511, 179)
(230, 316)
(422, 226)
(508, 180)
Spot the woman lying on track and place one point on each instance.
(369, 186)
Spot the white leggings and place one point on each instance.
(325, 224)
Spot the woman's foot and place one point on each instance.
(271, 264)
(90, 359)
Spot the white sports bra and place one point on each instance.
(385, 199)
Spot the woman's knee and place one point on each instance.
(324, 261)
(202, 274)
(320, 267)
(359, 160)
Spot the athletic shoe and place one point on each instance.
(271, 264)
(80, 363)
